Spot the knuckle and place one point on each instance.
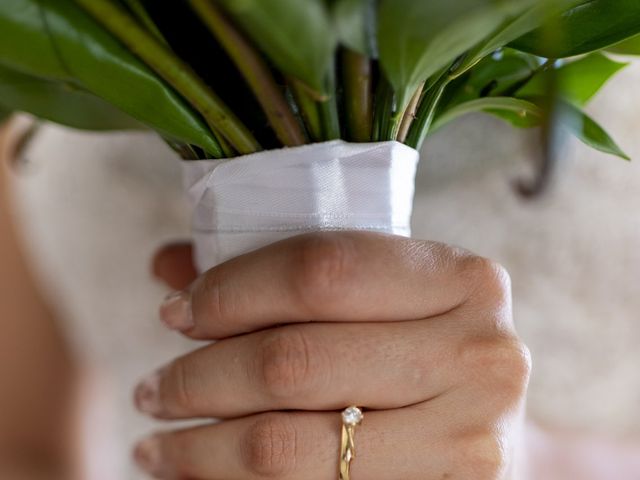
(484, 456)
(268, 448)
(178, 393)
(503, 364)
(285, 364)
(324, 261)
(488, 278)
(172, 447)
(217, 302)
(489, 295)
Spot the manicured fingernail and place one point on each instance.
(147, 396)
(147, 455)
(175, 311)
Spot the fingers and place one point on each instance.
(418, 332)
(173, 265)
(265, 446)
(285, 446)
(340, 276)
(307, 367)
(467, 432)
(414, 443)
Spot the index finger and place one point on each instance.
(330, 277)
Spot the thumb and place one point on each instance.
(173, 265)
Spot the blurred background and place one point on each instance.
(573, 253)
(93, 208)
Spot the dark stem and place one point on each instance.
(177, 73)
(255, 71)
(551, 135)
(308, 108)
(186, 151)
(358, 95)
(139, 10)
(383, 108)
(330, 118)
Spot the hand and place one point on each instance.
(418, 333)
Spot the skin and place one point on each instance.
(441, 439)
(418, 333)
(36, 366)
(466, 360)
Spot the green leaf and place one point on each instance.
(519, 107)
(57, 40)
(578, 81)
(297, 35)
(570, 117)
(530, 19)
(60, 102)
(592, 26)
(355, 22)
(494, 76)
(418, 39)
(628, 47)
(588, 131)
(232, 134)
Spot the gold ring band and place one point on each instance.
(351, 417)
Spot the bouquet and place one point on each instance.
(353, 88)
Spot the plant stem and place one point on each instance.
(330, 118)
(255, 71)
(308, 108)
(383, 109)
(393, 123)
(426, 112)
(176, 72)
(546, 65)
(403, 113)
(228, 150)
(409, 114)
(185, 150)
(358, 98)
(320, 112)
(139, 10)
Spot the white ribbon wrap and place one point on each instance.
(245, 203)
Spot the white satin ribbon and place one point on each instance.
(246, 203)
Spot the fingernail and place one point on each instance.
(175, 311)
(147, 455)
(147, 398)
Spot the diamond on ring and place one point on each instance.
(352, 416)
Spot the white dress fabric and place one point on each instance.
(94, 207)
